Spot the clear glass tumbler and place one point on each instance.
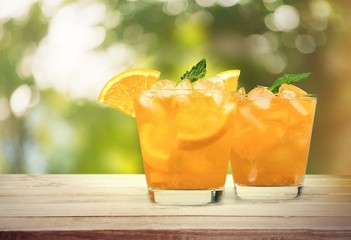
(270, 145)
(185, 142)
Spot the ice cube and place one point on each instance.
(217, 98)
(261, 97)
(209, 84)
(146, 100)
(217, 83)
(182, 99)
(202, 84)
(259, 90)
(183, 87)
(219, 86)
(247, 113)
(215, 79)
(288, 94)
(299, 107)
(163, 84)
(228, 107)
(184, 84)
(261, 101)
(291, 96)
(165, 93)
(252, 174)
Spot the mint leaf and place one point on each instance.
(198, 71)
(287, 78)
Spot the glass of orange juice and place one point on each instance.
(185, 142)
(271, 141)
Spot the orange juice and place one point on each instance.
(184, 137)
(271, 138)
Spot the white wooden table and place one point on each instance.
(117, 207)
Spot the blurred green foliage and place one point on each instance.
(56, 55)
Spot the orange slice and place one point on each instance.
(211, 122)
(230, 79)
(152, 138)
(120, 90)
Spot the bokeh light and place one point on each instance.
(56, 55)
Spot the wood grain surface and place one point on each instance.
(117, 207)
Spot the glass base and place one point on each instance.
(186, 197)
(267, 192)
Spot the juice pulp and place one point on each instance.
(184, 137)
(271, 140)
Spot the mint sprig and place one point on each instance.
(198, 71)
(288, 78)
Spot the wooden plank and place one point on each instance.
(118, 190)
(96, 190)
(151, 234)
(128, 180)
(74, 180)
(145, 209)
(55, 184)
(106, 196)
(172, 223)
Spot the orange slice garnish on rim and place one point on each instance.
(230, 79)
(120, 90)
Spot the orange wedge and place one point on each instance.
(230, 79)
(210, 124)
(120, 90)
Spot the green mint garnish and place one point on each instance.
(198, 71)
(288, 78)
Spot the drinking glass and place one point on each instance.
(270, 145)
(185, 143)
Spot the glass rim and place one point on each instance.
(188, 90)
(297, 95)
(246, 95)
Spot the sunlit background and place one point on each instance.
(56, 55)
